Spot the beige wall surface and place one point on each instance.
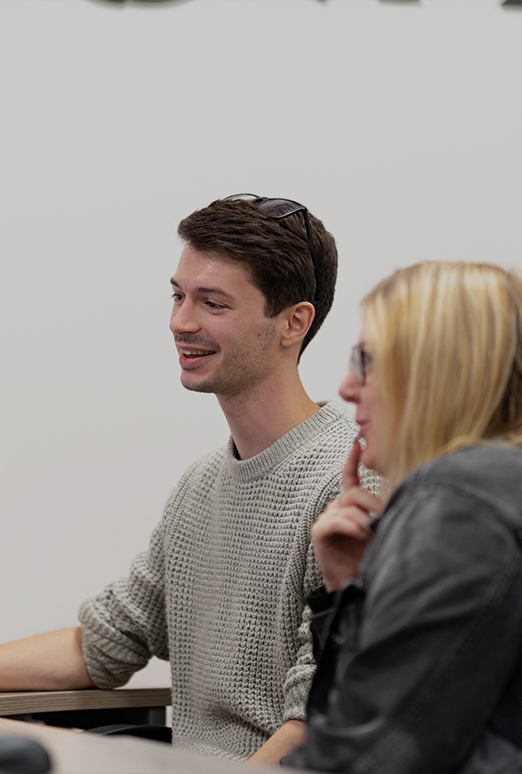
(398, 123)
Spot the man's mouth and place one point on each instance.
(190, 358)
(195, 352)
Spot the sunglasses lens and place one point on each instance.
(248, 197)
(276, 208)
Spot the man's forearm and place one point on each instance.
(291, 734)
(45, 662)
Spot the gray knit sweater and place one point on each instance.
(221, 591)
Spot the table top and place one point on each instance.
(21, 702)
(73, 752)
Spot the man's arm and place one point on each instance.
(291, 734)
(45, 662)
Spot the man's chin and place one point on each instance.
(194, 385)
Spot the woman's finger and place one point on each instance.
(361, 498)
(350, 470)
(342, 521)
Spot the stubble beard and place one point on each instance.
(234, 379)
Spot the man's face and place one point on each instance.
(226, 344)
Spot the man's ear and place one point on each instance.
(298, 319)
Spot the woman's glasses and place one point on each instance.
(278, 209)
(360, 363)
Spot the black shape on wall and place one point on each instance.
(139, 1)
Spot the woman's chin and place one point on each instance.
(370, 460)
(367, 458)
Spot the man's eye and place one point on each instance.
(213, 305)
(177, 296)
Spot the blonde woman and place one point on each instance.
(418, 632)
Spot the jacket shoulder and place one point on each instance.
(489, 472)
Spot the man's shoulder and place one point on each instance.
(201, 473)
(333, 423)
(206, 464)
(329, 432)
(326, 448)
(339, 420)
(335, 442)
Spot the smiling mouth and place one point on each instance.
(193, 353)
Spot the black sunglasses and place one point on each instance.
(278, 209)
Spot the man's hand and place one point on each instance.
(290, 735)
(341, 534)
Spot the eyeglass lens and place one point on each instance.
(357, 363)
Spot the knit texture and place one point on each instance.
(221, 591)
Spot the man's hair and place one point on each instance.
(276, 252)
(447, 345)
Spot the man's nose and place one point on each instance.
(184, 318)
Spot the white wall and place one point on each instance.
(400, 124)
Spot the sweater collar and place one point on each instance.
(262, 464)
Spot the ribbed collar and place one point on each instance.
(243, 471)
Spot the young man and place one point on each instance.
(220, 592)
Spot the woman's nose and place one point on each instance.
(350, 386)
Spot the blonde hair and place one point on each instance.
(447, 345)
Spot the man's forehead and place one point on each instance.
(203, 289)
(208, 270)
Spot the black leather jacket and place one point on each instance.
(420, 658)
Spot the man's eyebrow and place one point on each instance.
(205, 290)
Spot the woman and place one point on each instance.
(418, 631)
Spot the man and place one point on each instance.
(221, 591)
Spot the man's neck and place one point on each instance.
(259, 419)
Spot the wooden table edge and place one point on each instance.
(20, 702)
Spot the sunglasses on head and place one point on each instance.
(278, 209)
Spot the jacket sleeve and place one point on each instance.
(125, 624)
(415, 682)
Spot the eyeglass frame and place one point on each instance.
(360, 362)
(261, 200)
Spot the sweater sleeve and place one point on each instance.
(299, 677)
(125, 624)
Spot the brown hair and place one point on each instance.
(276, 252)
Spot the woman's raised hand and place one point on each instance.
(341, 534)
